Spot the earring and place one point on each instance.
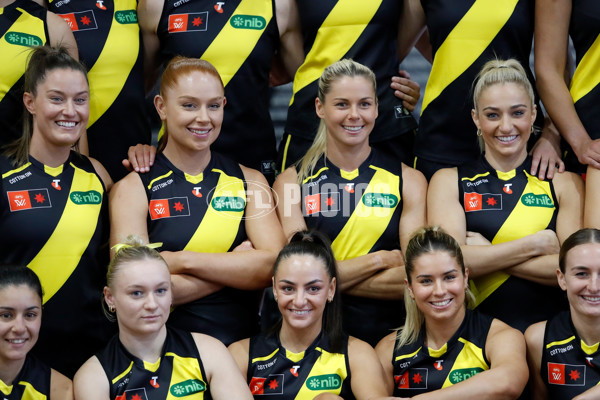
(111, 309)
(329, 300)
(479, 133)
(532, 130)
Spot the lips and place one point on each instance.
(441, 303)
(66, 124)
(506, 139)
(353, 129)
(199, 132)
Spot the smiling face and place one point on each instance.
(349, 111)
(20, 320)
(302, 288)
(60, 108)
(505, 115)
(192, 110)
(581, 279)
(438, 286)
(141, 296)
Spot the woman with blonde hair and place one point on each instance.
(366, 203)
(508, 222)
(444, 350)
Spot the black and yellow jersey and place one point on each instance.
(360, 213)
(32, 382)
(55, 221)
(284, 375)
(569, 366)
(464, 36)
(504, 206)
(239, 37)
(109, 42)
(205, 214)
(22, 26)
(419, 369)
(177, 373)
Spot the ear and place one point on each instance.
(108, 297)
(274, 291)
(319, 108)
(562, 282)
(409, 287)
(159, 104)
(466, 277)
(224, 101)
(475, 117)
(533, 114)
(331, 292)
(28, 100)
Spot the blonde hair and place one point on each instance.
(426, 241)
(330, 75)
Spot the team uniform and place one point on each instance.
(283, 375)
(369, 31)
(22, 25)
(203, 213)
(177, 373)
(569, 366)
(54, 220)
(464, 36)
(32, 382)
(108, 39)
(360, 213)
(584, 30)
(505, 206)
(419, 369)
(239, 37)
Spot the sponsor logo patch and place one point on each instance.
(271, 385)
(80, 21)
(537, 200)
(133, 394)
(482, 202)
(228, 203)
(566, 374)
(188, 22)
(28, 199)
(89, 197)
(169, 208)
(23, 39)
(322, 202)
(186, 388)
(324, 382)
(241, 21)
(414, 378)
(459, 375)
(126, 17)
(382, 200)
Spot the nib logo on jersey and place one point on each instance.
(482, 202)
(271, 385)
(169, 208)
(188, 22)
(414, 378)
(133, 394)
(81, 21)
(566, 374)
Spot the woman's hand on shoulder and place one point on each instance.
(140, 158)
(90, 382)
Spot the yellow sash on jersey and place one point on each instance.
(523, 220)
(186, 378)
(587, 74)
(352, 241)
(15, 56)
(218, 228)
(244, 41)
(331, 366)
(468, 362)
(110, 71)
(334, 39)
(61, 254)
(465, 43)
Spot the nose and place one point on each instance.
(18, 325)
(354, 111)
(594, 285)
(69, 108)
(150, 303)
(439, 289)
(506, 124)
(299, 298)
(202, 114)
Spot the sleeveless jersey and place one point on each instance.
(203, 213)
(419, 369)
(22, 25)
(464, 36)
(177, 373)
(239, 38)
(365, 31)
(283, 375)
(569, 366)
(54, 220)
(505, 206)
(108, 38)
(32, 382)
(585, 85)
(360, 213)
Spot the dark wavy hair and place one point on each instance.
(316, 244)
(14, 275)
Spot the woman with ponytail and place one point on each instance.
(146, 358)
(444, 350)
(307, 348)
(366, 203)
(508, 222)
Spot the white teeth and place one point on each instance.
(300, 312)
(199, 131)
(353, 128)
(591, 298)
(17, 341)
(66, 124)
(506, 138)
(441, 303)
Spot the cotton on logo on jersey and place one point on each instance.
(414, 378)
(188, 22)
(482, 202)
(169, 208)
(81, 21)
(28, 199)
(566, 374)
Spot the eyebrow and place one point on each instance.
(61, 92)
(134, 286)
(12, 308)
(451, 271)
(511, 107)
(308, 283)
(186, 97)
